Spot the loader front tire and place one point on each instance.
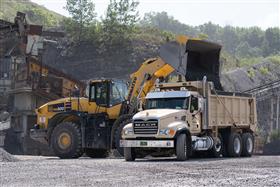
(66, 140)
(117, 131)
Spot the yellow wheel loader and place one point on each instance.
(74, 125)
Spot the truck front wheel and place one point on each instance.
(66, 140)
(182, 147)
(234, 145)
(129, 154)
(248, 144)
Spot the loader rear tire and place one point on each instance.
(182, 147)
(117, 129)
(234, 145)
(97, 153)
(247, 144)
(129, 154)
(66, 140)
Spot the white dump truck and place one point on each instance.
(187, 118)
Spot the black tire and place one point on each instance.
(129, 154)
(218, 148)
(182, 147)
(97, 153)
(234, 145)
(73, 147)
(117, 131)
(247, 144)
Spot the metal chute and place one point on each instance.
(194, 59)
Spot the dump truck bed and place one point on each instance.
(229, 109)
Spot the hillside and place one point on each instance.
(36, 14)
(86, 60)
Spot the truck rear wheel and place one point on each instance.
(66, 140)
(247, 144)
(97, 153)
(129, 154)
(218, 148)
(234, 145)
(182, 147)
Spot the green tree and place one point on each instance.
(82, 14)
(272, 40)
(203, 36)
(255, 36)
(212, 30)
(120, 21)
(230, 39)
(163, 21)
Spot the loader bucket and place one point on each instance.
(194, 59)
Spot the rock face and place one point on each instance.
(87, 62)
(243, 79)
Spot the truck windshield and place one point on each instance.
(171, 103)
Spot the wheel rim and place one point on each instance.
(64, 140)
(185, 149)
(249, 145)
(218, 145)
(236, 145)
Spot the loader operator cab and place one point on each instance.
(107, 93)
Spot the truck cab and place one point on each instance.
(167, 116)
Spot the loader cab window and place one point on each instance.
(118, 93)
(99, 93)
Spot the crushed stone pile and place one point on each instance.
(6, 157)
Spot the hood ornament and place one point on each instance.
(147, 114)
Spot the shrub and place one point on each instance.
(264, 70)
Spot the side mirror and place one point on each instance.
(140, 105)
(201, 104)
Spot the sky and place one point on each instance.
(243, 13)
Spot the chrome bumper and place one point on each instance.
(147, 143)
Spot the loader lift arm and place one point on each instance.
(143, 80)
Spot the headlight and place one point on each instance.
(167, 132)
(127, 131)
(42, 119)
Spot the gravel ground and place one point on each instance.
(51, 171)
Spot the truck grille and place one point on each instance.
(145, 127)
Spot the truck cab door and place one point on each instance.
(195, 113)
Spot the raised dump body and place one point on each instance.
(187, 117)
